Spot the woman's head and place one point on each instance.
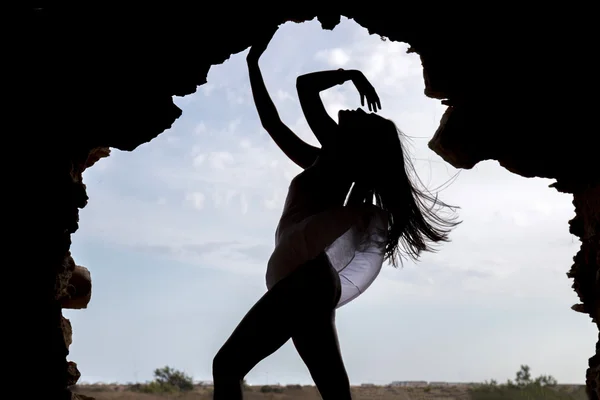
(365, 142)
(375, 157)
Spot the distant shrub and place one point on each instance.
(271, 389)
(166, 380)
(544, 387)
(294, 387)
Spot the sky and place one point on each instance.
(177, 235)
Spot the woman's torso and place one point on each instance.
(315, 220)
(312, 191)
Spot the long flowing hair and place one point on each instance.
(417, 219)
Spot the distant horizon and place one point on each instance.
(420, 381)
(201, 382)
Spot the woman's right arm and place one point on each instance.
(300, 152)
(309, 87)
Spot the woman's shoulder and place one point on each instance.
(302, 175)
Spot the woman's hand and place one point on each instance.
(366, 90)
(260, 43)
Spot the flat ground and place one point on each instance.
(118, 392)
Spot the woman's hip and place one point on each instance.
(314, 282)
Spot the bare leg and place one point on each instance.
(303, 306)
(316, 340)
(261, 332)
(318, 346)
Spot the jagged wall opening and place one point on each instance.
(205, 159)
(146, 52)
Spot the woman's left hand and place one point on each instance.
(366, 90)
(262, 40)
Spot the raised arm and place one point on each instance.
(297, 150)
(300, 152)
(310, 86)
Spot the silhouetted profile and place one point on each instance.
(353, 207)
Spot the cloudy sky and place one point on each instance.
(177, 235)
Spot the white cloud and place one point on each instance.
(233, 125)
(199, 159)
(220, 159)
(336, 57)
(200, 128)
(172, 139)
(282, 95)
(197, 199)
(235, 96)
(385, 64)
(243, 203)
(207, 89)
(223, 197)
(275, 200)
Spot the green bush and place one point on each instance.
(544, 387)
(166, 380)
(271, 389)
(294, 387)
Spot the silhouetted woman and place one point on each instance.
(352, 208)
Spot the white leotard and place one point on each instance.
(304, 231)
